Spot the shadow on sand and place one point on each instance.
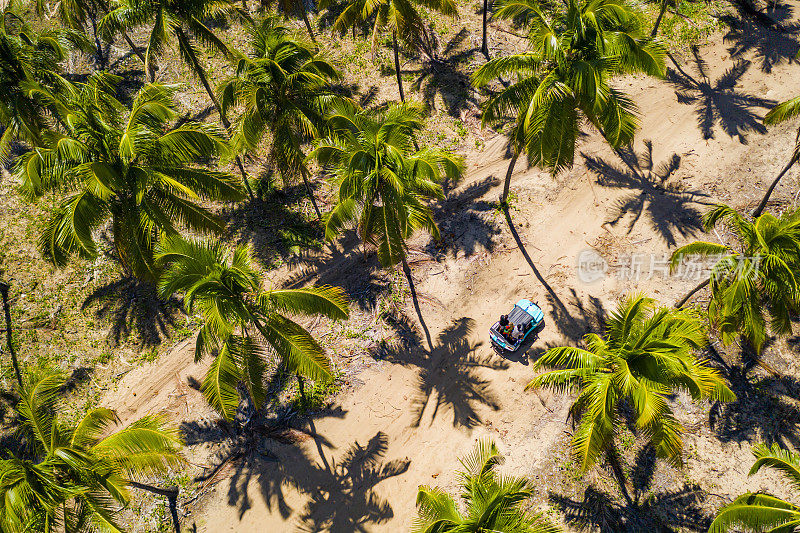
(719, 102)
(769, 34)
(670, 211)
(449, 375)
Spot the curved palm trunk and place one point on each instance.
(7, 312)
(680, 303)
(507, 184)
(306, 21)
(407, 272)
(197, 68)
(658, 19)
(170, 493)
(310, 192)
(485, 42)
(758, 210)
(136, 51)
(397, 65)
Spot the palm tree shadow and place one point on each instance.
(360, 275)
(765, 410)
(653, 508)
(669, 210)
(448, 375)
(273, 225)
(464, 221)
(134, 307)
(444, 72)
(719, 101)
(771, 35)
(341, 491)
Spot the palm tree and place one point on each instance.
(291, 7)
(129, 166)
(226, 289)
(71, 478)
(763, 265)
(647, 354)
(283, 88)
(401, 17)
(74, 15)
(759, 511)
(780, 113)
(382, 180)
(27, 59)
(484, 38)
(564, 79)
(493, 503)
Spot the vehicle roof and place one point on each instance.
(524, 312)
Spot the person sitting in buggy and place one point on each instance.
(507, 328)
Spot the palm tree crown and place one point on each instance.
(493, 502)
(401, 17)
(382, 180)
(759, 511)
(762, 265)
(128, 166)
(565, 77)
(647, 353)
(74, 477)
(283, 88)
(226, 289)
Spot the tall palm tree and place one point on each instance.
(575, 50)
(759, 511)
(283, 88)
(780, 113)
(127, 166)
(647, 354)
(761, 266)
(401, 17)
(4, 288)
(382, 180)
(493, 503)
(27, 59)
(74, 477)
(226, 289)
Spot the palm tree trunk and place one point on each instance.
(310, 192)
(307, 22)
(485, 42)
(507, 184)
(658, 19)
(616, 467)
(200, 73)
(397, 65)
(301, 388)
(407, 271)
(99, 56)
(137, 52)
(771, 188)
(680, 303)
(170, 493)
(9, 342)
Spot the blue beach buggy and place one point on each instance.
(526, 318)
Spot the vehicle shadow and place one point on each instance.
(465, 221)
(669, 210)
(132, 307)
(448, 375)
(770, 35)
(265, 458)
(652, 509)
(719, 102)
